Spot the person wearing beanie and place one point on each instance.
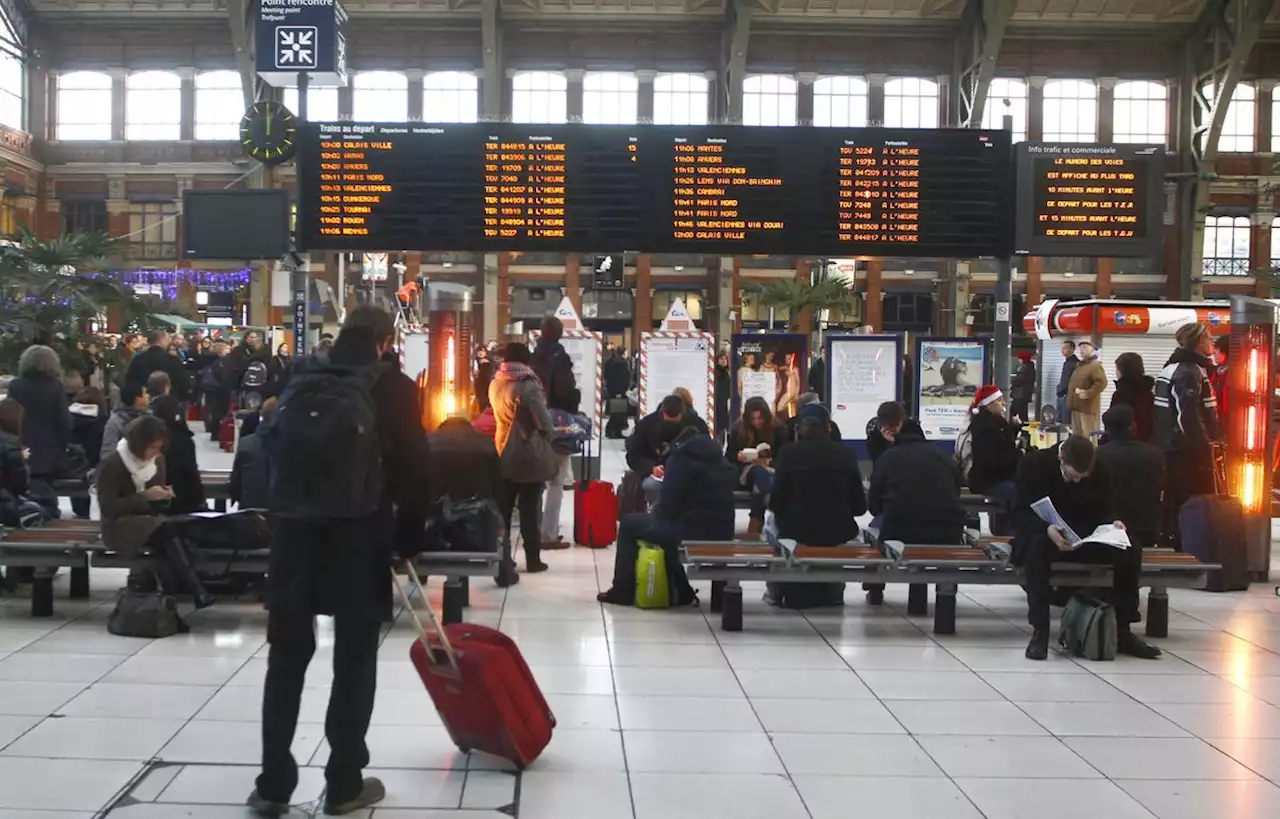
(1187, 422)
(1084, 391)
(1022, 387)
(992, 463)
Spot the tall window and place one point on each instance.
(769, 99)
(450, 96)
(153, 230)
(1006, 96)
(84, 105)
(1239, 126)
(9, 221)
(1226, 246)
(12, 87)
(680, 99)
(322, 103)
(84, 216)
(219, 105)
(153, 105)
(380, 96)
(539, 96)
(840, 102)
(911, 102)
(1141, 113)
(610, 97)
(1070, 111)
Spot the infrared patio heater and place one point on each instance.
(1249, 393)
(448, 377)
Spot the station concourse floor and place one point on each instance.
(661, 715)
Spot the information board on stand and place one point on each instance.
(678, 356)
(862, 373)
(655, 188)
(948, 374)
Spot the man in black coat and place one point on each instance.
(341, 568)
(1069, 364)
(617, 380)
(250, 472)
(157, 358)
(1137, 473)
(793, 424)
(555, 370)
(1079, 485)
(651, 440)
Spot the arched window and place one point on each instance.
(84, 105)
(680, 99)
(1070, 111)
(1006, 97)
(1240, 124)
(1226, 246)
(153, 105)
(450, 96)
(840, 102)
(911, 102)
(539, 96)
(219, 105)
(322, 103)
(1141, 113)
(610, 98)
(13, 85)
(769, 99)
(380, 96)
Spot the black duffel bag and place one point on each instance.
(469, 525)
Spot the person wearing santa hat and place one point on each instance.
(990, 463)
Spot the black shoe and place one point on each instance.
(875, 597)
(507, 576)
(263, 806)
(555, 545)
(1129, 643)
(372, 793)
(615, 597)
(535, 566)
(1038, 648)
(203, 601)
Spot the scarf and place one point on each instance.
(141, 471)
(516, 371)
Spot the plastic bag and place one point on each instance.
(652, 589)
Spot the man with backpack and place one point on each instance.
(349, 486)
(555, 370)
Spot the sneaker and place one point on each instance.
(1038, 648)
(372, 793)
(263, 806)
(1129, 643)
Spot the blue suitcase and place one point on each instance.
(1212, 528)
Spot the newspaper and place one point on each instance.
(1107, 534)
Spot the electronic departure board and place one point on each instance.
(1090, 200)
(662, 189)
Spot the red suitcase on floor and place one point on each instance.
(480, 684)
(595, 514)
(227, 433)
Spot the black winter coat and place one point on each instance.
(250, 486)
(46, 421)
(14, 478)
(327, 567)
(555, 371)
(157, 359)
(1137, 473)
(697, 493)
(617, 377)
(1084, 506)
(1022, 387)
(180, 460)
(916, 487)
(650, 442)
(86, 432)
(818, 378)
(1139, 394)
(464, 463)
(818, 493)
(1186, 408)
(878, 445)
(995, 451)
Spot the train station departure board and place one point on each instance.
(663, 189)
(1090, 200)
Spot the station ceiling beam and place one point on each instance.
(982, 29)
(238, 12)
(737, 37)
(491, 59)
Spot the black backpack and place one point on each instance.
(322, 444)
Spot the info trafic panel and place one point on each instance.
(1090, 200)
(705, 189)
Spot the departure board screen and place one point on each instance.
(662, 189)
(1090, 200)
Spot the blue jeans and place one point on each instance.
(759, 481)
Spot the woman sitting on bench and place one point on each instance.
(752, 441)
(134, 498)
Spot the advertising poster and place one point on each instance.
(863, 373)
(772, 366)
(948, 374)
(672, 360)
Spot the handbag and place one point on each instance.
(528, 456)
(150, 614)
(617, 406)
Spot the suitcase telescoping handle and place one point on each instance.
(431, 615)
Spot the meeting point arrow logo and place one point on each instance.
(296, 47)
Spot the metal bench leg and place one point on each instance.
(42, 594)
(220, 505)
(465, 581)
(717, 595)
(731, 614)
(944, 609)
(918, 598)
(79, 582)
(454, 594)
(1158, 612)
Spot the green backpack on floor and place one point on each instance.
(1089, 629)
(652, 589)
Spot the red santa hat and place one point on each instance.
(986, 394)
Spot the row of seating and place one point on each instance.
(727, 564)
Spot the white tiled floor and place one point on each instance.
(663, 716)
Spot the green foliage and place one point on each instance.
(828, 294)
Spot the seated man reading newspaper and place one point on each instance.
(1065, 513)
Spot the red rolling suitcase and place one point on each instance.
(595, 508)
(227, 433)
(480, 684)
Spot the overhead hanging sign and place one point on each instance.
(301, 36)
(567, 315)
(678, 318)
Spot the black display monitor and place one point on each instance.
(235, 224)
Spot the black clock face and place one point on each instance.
(269, 133)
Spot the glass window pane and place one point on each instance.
(1240, 122)
(769, 99)
(840, 102)
(680, 99)
(219, 105)
(1141, 113)
(84, 105)
(153, 105)
(911, 102)
(322, 103)
(379, 96)
(450, 96)
(1070, 111)
(1006, 97)
(539, 96)
(610, 98)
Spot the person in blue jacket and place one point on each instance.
(696, 503)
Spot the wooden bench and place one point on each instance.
(216, 482)
(56, 544)
(728, 563)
